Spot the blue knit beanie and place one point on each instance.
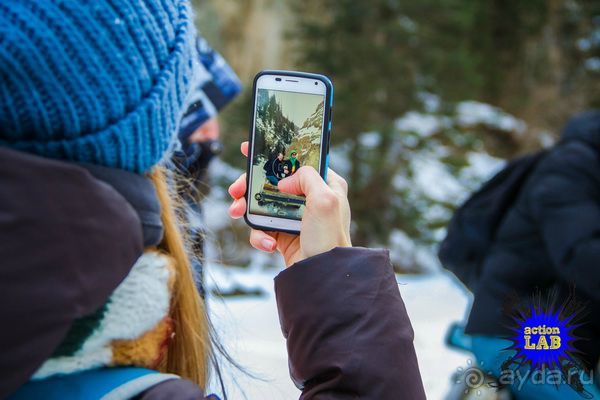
(96, 81)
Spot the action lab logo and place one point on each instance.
(542, 335)
(543, 348)
(543, 338)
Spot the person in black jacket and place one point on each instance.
(340, 310)
(274, 168)
(547, 245)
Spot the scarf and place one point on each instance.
(293, 160)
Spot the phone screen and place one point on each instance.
(288, 133)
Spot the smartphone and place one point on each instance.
(291, 127)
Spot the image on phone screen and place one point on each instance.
(287, 135)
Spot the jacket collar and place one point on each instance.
(139, 192)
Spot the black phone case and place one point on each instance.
(326, 133)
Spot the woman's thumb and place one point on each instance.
(306, 181)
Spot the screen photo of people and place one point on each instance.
(287, 136)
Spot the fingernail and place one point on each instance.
(268, 244)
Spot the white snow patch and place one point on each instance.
(584, 44)
(401, 244)
(592, 64)
(401, 182)
(407, 23)
(218, 218)
(423, 125)
(481, 167)
(546, 139)
(219, 169)
(404, 250)
(435, 181)
(339, 159)
(430, 101)
(471, 113)
(370, 140)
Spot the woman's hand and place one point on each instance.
(326, 219)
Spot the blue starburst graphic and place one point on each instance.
(543, 338)
(543, 335)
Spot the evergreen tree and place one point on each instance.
(522, 56)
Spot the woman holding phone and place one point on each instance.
(346, 326)
(96, 292)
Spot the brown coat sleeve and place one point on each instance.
(347, 330)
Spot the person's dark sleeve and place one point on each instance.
(565, 204)
(347, 330)
(174, 389)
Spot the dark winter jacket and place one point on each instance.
(550, 240)
(347, 330)
(66, 241)
(273, 167)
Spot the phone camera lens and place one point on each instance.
(278, 79)
(316, 83)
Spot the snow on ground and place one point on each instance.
(422, 124)
(433, 178)
(249, 328)
(473, 113)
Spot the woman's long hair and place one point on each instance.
(189, 351)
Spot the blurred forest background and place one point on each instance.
(430, 97)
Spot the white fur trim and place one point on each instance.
(137, 305)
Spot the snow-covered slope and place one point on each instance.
(308, 139)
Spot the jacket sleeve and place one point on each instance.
(347, 330)
(565, 204)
